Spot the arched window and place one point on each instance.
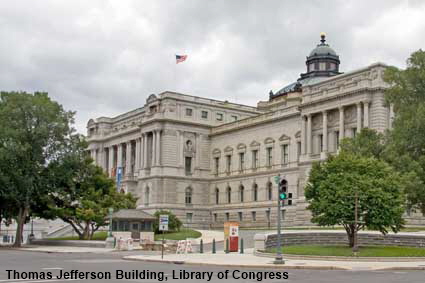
(188, 195)
(269, 191)
(229, 195)
(217, 195)
(147, 196)
(241, 193)
(255, 192)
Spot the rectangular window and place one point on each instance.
(215, 217)
(189, 111)
(219, 116)
(216, 164)
(240, 216)
(204, 114)
(298, 150)
(269, 156)
(228, 163)
(336, 140)
(285, 154)
(234, 118)
(321, 142)
(268, 215)
(254, 216)
(354, 132)
(227, 216)
(188, 165)
(241, 161)
(189, 217)
(254, 159)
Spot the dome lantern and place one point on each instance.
(322, 61)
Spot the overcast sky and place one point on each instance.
(103, 58)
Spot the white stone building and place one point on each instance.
(211, 161)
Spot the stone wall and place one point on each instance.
(340, 238)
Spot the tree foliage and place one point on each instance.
(32, 130)
(332, 187)
(174, 224)
(82, 193)
(407, 138)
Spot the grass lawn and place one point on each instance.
(98, 236)
(181, 235)
(372, 251)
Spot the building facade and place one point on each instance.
(213, 161)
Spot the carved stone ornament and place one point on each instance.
(151, 98)
(350, 114)
(333, 118)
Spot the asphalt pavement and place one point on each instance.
(57, 263)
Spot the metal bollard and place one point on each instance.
(201, 247)
(213, 246)
(241, 246)
(227, 246)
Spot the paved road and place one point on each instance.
(54, 262)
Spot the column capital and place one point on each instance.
(367, 101)
(341, 108)
(325, 112)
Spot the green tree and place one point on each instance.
(332, 187)
(174, 224)
(407, 139)
(32, 129)
(82, 193)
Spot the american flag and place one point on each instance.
(180, 58)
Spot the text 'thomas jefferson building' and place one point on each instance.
(213, 161)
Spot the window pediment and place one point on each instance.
(228, 150)
(255, 144)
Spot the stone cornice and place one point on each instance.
(339, 96)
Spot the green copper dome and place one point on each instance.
(322, 49)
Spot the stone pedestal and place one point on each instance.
(109, 243)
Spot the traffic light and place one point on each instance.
(283, 188)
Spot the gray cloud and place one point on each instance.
(102, 58)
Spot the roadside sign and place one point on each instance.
(163, 222)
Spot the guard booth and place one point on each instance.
(133, 221)
(231, 233)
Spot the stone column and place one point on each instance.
(341, 123)
(309, 134)
(119, 155)
(145, 151)
(128, 158)
(359, 117)
(153, 155)
(158, 147)
(181, 149)
(366, 114)
(137, 157)
(303, 137)
(391, 116)
(325, 131)
(111, 160)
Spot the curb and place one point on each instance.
(329, 267)
(342, 258)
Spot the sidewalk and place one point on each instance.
(248, 259)
(65, 249)
(208, 236)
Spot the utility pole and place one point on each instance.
(281, 186)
